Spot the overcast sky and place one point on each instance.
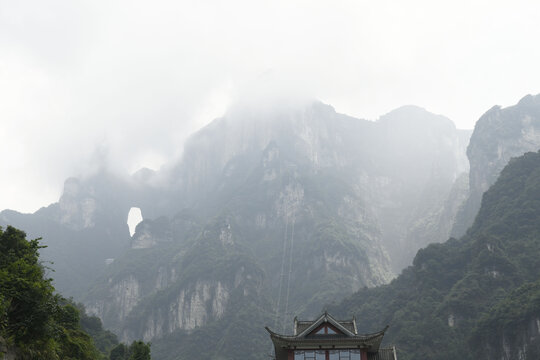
(127, 81)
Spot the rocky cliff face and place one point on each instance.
(420, 172)
(193, 306)
(181, 287)
(512, 329)
(316, 198)
(403, 167)
(306, 204)
(82, 231)
(523, 344)
(499, 135)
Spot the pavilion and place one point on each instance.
(329, 339)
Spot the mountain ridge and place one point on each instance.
(313, 205)
(499, 135)
(442, 306)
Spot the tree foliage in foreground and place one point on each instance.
(36, 323)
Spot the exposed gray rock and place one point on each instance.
(499, 135)
(523, 344)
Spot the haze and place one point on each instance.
(123, 83)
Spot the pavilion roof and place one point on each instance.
(303, 337)
(301, 328)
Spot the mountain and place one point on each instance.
(82, 230)
(425, 189)
(404, 166)
(472, 298)
(499, 135)
(289, 206)
(270, 213)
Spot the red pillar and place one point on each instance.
(364, 355)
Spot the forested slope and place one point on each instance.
(472, 298)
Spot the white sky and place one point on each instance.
(125, 81)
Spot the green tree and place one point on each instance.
(119, 352)
(104, 340)
(39, 323)
(3, 313)
(28, 299)
(139, 350)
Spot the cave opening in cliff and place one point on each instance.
(133, 219)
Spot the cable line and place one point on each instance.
(290, 272)
(281, 275)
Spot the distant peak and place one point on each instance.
(410, 114)
(407, 110)
(410, 108)
(530, 100)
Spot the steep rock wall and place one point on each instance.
(499, 135)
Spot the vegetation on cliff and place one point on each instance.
(461, 298)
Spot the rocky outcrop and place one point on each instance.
(116, 300)
(514, 344)
(193, 307)
(499, 135)
(179, 293)
(82, 231)
(76, 208)
(124, 294)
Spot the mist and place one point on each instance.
(123, 84)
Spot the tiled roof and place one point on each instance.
(302, 328)
(302, 325)
(383, 354)
(345, 336)
(349, 325)
(370, 342)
